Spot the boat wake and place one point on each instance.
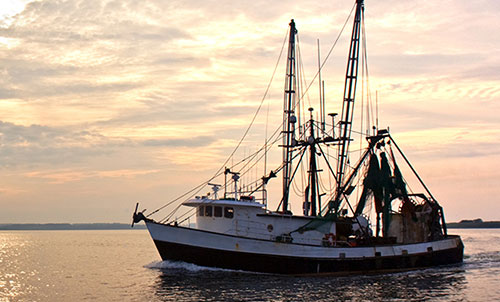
(168, 265)
(479, 260)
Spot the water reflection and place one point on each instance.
(445, 284)
(106, 266)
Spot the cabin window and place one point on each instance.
(201, 211)
(217, 211)
(228, 212)
(208, 211)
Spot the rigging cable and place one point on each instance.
(304, 93)
(364, 74)
(301, 83)
(369, 103)
(239, 143)
(329, 53)
(322, 65)
(199, 187)
(170, 215)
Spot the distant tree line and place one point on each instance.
(474, 224)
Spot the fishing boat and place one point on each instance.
(365, 220)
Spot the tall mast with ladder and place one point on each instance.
(289, 118)
(345, 124)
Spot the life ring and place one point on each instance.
(330, 239)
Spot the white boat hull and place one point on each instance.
(242, 253)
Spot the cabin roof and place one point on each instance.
(224, 202)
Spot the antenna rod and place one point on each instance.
(376, 108)
(323, 116)
(321, 108)
(264, 195)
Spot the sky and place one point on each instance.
(107, 103)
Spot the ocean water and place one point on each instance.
(123, 265)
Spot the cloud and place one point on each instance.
(65, 176)
(184, 142)
(422, 64)
(91, 90)
(40, 145)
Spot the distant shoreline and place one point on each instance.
(474, 224)
(67, 226)
(464, 224)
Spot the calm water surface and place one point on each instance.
(123, 265)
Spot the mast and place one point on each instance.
(289, 118)
(313, 181)
(345, 123)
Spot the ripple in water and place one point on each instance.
(120, 266)
(216, 285)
